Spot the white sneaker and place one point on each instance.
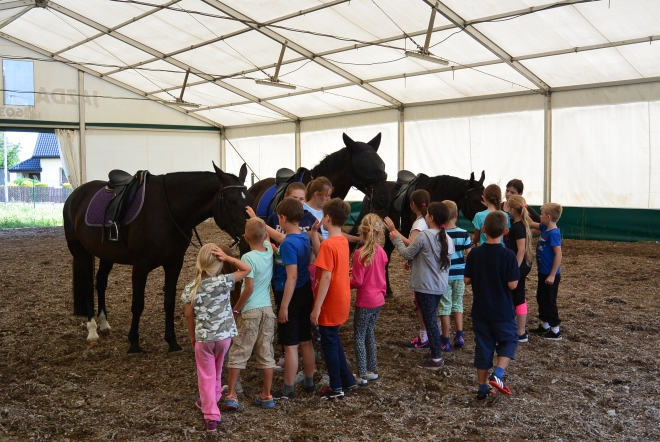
(279, 366)
(300, 378)
(361, 381)
(239, 388)
(325, 379)
(370, 376)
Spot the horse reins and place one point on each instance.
(190, 240)
(233, 234)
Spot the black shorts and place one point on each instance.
(299, 327)
(519, 292)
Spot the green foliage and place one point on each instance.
(13, 215)
(13, 153)
(29, 183)
(66, 186)
(41, 185)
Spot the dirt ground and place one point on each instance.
(599, 383)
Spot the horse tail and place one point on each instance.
(83, 283)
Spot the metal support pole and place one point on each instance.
(547, 148)
(81, 121)
(401, 144)
(6, 181)
(298, 151)
(429, 31)
(223, 151)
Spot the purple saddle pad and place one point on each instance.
(96, 209)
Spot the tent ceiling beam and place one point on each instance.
(16, 4)
(234, 34)
(129, 41)
(487, 43)
(119, 26)
(372, 80)
(589, 48)
(15, 16)
(111, 80)
(523, 11)
(302, 51)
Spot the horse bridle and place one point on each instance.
(465, 197)
(231, 233)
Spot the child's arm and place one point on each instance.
(190, 323)
(358, 272)
(555, 265)
(467, 281)
(289, 287)
(324, 285)
(513, 284)
(476, 237)
(276, 236)
(390, 227)
(350, 238)
(243, 269)
(248, 289)
(520, 243)
(315, 237)
(406, 252)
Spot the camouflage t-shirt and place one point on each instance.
(214, 320)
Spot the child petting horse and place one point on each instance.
(211, 324)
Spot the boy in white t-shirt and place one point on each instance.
(254, 316)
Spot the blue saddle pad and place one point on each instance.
(263, 208)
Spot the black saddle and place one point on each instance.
(406, 184)
(283, 178)
(123, 186)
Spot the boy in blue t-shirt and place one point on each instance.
(548, 259)
(493, 272)
(294, 298)
(451, 303)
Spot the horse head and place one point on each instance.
(233, 197)
(472, 201)
(367, 170)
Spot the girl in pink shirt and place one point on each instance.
(369, 263)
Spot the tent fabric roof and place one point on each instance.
(30, 165)
(340, 55)
(46, 146)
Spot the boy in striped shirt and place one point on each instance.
(451, 303)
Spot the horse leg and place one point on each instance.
(172, 271)
(101, 285)
(389, 248)
(83, 286)
(139, 279)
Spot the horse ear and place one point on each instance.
(348, 142)
(243, 173)
(219, 172)
(471, 179)
(483, 177)
(375, 143)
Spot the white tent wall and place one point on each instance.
(154, 150)
(265, 149)
(503, 136)
(606, 150)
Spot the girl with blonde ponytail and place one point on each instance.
(210, 323)
(368, 278)
(519, 240)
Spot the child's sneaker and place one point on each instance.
(446, 347)
(498, 383)
(327, 394)
(361, 381)
(267, 402)
(211, 425)
(325, 379)
(300, 378)
(459, 341)
(539, 330)
(524, 337)
(231, 403)
(370, 376)
(489, 396)
(551, 336)
(279, 366)
(278, 395)
(417, 344)
(350, 390)
(431, 364)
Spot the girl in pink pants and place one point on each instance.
(210, 323)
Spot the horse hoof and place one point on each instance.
(175, 352)
(175, 348)
(93, 342)
(104, 332)
(133, 354)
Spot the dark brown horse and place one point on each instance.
(356, 165)
(174, 204)
(465, 193)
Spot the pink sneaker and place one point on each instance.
(211, 425)
(417, 344)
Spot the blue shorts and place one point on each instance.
(491, 337)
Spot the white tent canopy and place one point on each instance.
(343, 58)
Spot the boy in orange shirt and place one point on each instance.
(333, 297)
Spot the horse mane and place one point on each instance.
(333, 161)
(450, 186)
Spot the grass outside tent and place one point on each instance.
(15, 215)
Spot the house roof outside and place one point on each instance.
(31, 165)
(46, 146)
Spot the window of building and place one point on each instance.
(19, 82)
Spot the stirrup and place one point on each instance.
(116, 230)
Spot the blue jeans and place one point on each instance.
(335, 359)
(428, 306)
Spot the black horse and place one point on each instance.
(465, 193)
(356, 165)
(174, 204)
